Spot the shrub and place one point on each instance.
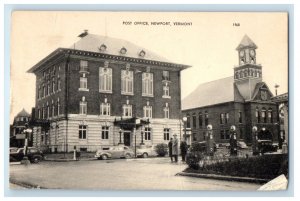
(193, 159)
(161, 149)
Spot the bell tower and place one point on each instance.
(248, 73)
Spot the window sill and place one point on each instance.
(148, 95)
(169, 97)
(83, 89)
(106, 92)
(125, 93)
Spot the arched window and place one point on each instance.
(257, 115)
(188, 121)
(263, 115)
(194, 120)
(200, 119)
(270, 115)
(206, 118)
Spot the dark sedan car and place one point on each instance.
(34, 155)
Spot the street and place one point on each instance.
(122, 174)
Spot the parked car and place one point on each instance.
(34, 155)
(265, 146)
(144, 152)
(13, 149)
(240, 145)
(114, 152)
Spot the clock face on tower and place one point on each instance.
(252, 53)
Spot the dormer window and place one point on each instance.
(123, 50)
(102, 48)
(142, 53)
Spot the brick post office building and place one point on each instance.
(243, 100)
(104, 91)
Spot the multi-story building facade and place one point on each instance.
(104, 91)
(243, 100)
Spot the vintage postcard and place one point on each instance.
(149, 100)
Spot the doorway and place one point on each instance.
(127, 138)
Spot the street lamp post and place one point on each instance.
(184, 127)
(142, 137)
(25, 158)
(120, 132)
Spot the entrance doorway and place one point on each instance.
(127, 138)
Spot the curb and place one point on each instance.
(25, 184)
(223, 177)
(68, 160)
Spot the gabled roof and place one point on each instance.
(210, 93)
(23, 113)
(92, 43)
(258, 87)
(246, 42)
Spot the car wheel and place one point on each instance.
(36, 160)
(145, 155)
(127, 156)
(104, 157)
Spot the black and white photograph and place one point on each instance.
(149, 101)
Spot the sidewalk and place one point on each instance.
(224, 177)
(64, 157)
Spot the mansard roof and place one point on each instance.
(111, 49)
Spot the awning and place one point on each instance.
(130, 123)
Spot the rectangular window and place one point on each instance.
(222, 118)
(48, 88)
(147, 84)
(188, 121)
(105, 132)
(147, 133)
(270, 116)
(127, 110)
(264, 117)
(58, 107)
(200, 119)
(206, 118)
(147, 111)
(83, 65)
(82, 131)
(105, 79)
(240, 117)
(105, 109)
(44, 91)
(166, 75)
(58, 84)
(53, 110)
(53, 85)
(48, 111)
(166, 134)
(39, 113)
(127, 82)
(166, 112)
(194, 120)
(83, 83)
(226, 118)
(83, 107)
(166, 91)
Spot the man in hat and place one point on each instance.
(175, 147)
(170, 145)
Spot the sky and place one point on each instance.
(207, 44)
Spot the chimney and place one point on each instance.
(83, 34)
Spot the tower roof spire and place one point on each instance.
(246, 42)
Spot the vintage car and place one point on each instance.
(144, 151)
(114, 152)
(265, 146)
(34, 155)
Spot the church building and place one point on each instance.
(243, 100)
(103, 91)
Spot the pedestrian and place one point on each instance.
(183, 149)
(175, 148)
(170, 144)
(78, 155)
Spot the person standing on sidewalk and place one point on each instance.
(183, 149)
(175, 148)
(170, 144)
